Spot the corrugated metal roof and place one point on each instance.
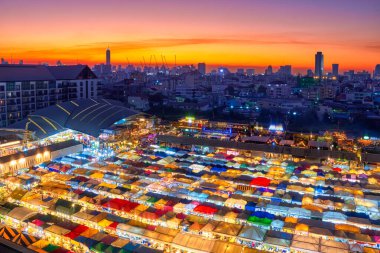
(88, 116)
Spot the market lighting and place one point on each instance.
(22, 160)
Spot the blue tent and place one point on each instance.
(218, 169)
(250, 206)
(131, 246)
(86, 241)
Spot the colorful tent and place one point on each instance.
(260, 181)
(8, 233)
(24, 239)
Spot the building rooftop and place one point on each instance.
(88, 116)
(19, 73)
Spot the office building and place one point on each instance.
(335, 69)
(108, 56)
(285, 70)
(202, 68)
(318, 65)
(310, 73)
(27, 88)
(376, 73)
(250, 72)
(240, 71)
(269, 70)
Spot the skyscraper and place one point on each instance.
(269, 70)
(285, 70)
(202, 68)
(318, 65)
(108, 56)
(250, 72)
(335, 69)
(376, 73)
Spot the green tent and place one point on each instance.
(50, 247)
(112, 249)
(152, 200)
(259, 221)
(243, 166)
(99, 248)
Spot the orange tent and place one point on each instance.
(347, 228)
(302, 227)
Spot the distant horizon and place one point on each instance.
(218, 32)
(209, 67)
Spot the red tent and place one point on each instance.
(79, 229)
(120, 204)
(160, 212)
(38, 222)
(72, 235)
(151, 227)
(113, 225)
(78, 191)
(205, 209)
(111, 204)
(260, 181)
(337, 169)
(180, 216)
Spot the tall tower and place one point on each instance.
(202, 68)
(108, 57)
(335, 69)
(318, 65)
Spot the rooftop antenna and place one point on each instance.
(155, 60)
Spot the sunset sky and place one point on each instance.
(218, 32)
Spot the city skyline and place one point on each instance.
(254, 34)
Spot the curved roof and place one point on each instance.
(88, 116)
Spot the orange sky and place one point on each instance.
(218, 32)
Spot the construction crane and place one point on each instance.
(155, 60)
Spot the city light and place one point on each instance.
(190, 126)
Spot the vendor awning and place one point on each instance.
(252, 233)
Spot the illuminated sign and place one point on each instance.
(232, 152)
(276, 128)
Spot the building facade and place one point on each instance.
(27, 88)
(319, 65)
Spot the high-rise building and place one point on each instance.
(376, 73)
(108, 56)
(269, 70)
(202, 68)
(335, 69)
(310, 73)
(285, 70)
(318, 65)
(240, 71)
(27, 88)
(250, 72)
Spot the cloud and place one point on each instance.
(175, 42)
